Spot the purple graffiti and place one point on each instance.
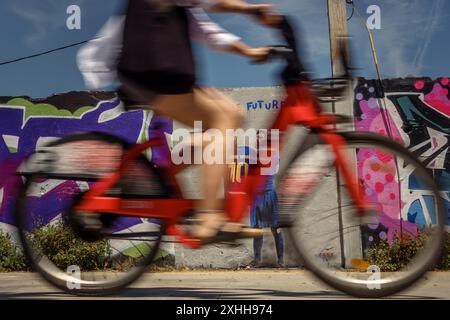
(126, 125)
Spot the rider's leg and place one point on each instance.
(215, 112)
(231, 108)
(226, 105)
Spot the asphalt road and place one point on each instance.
(245, 284)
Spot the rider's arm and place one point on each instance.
(233, 6)
(205, 30)
(266, 12)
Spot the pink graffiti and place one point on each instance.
(445, 81)
(397, 227)
(372, 120)
(380, 186)
(378, 170)
(438, 98)
(419, 85)
(378, 173)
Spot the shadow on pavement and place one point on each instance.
(191, 293)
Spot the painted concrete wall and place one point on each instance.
(27, 124)
(418, 112)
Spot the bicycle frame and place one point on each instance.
(300, 107)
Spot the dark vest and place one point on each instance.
(156, 39)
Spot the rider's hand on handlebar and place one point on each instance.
(266, 14)
(258, 55)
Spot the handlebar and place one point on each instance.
(294, 71)
(280, 52)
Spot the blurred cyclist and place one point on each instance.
(157, 68)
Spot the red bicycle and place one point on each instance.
(110, 200)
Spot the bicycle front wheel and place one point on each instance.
(396, 240)
(87, 253)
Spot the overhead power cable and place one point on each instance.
(43, 53)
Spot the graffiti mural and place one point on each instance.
(417, 115)
(25, 125)
(263, 105)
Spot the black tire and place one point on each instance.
(130, 264)
(332, 275)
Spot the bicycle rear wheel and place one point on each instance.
(381, 252)
(86, 254)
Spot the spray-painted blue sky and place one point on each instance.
(414, 40)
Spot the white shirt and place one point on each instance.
(97, 60)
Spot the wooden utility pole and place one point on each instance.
(350, 240)
(337, 21)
